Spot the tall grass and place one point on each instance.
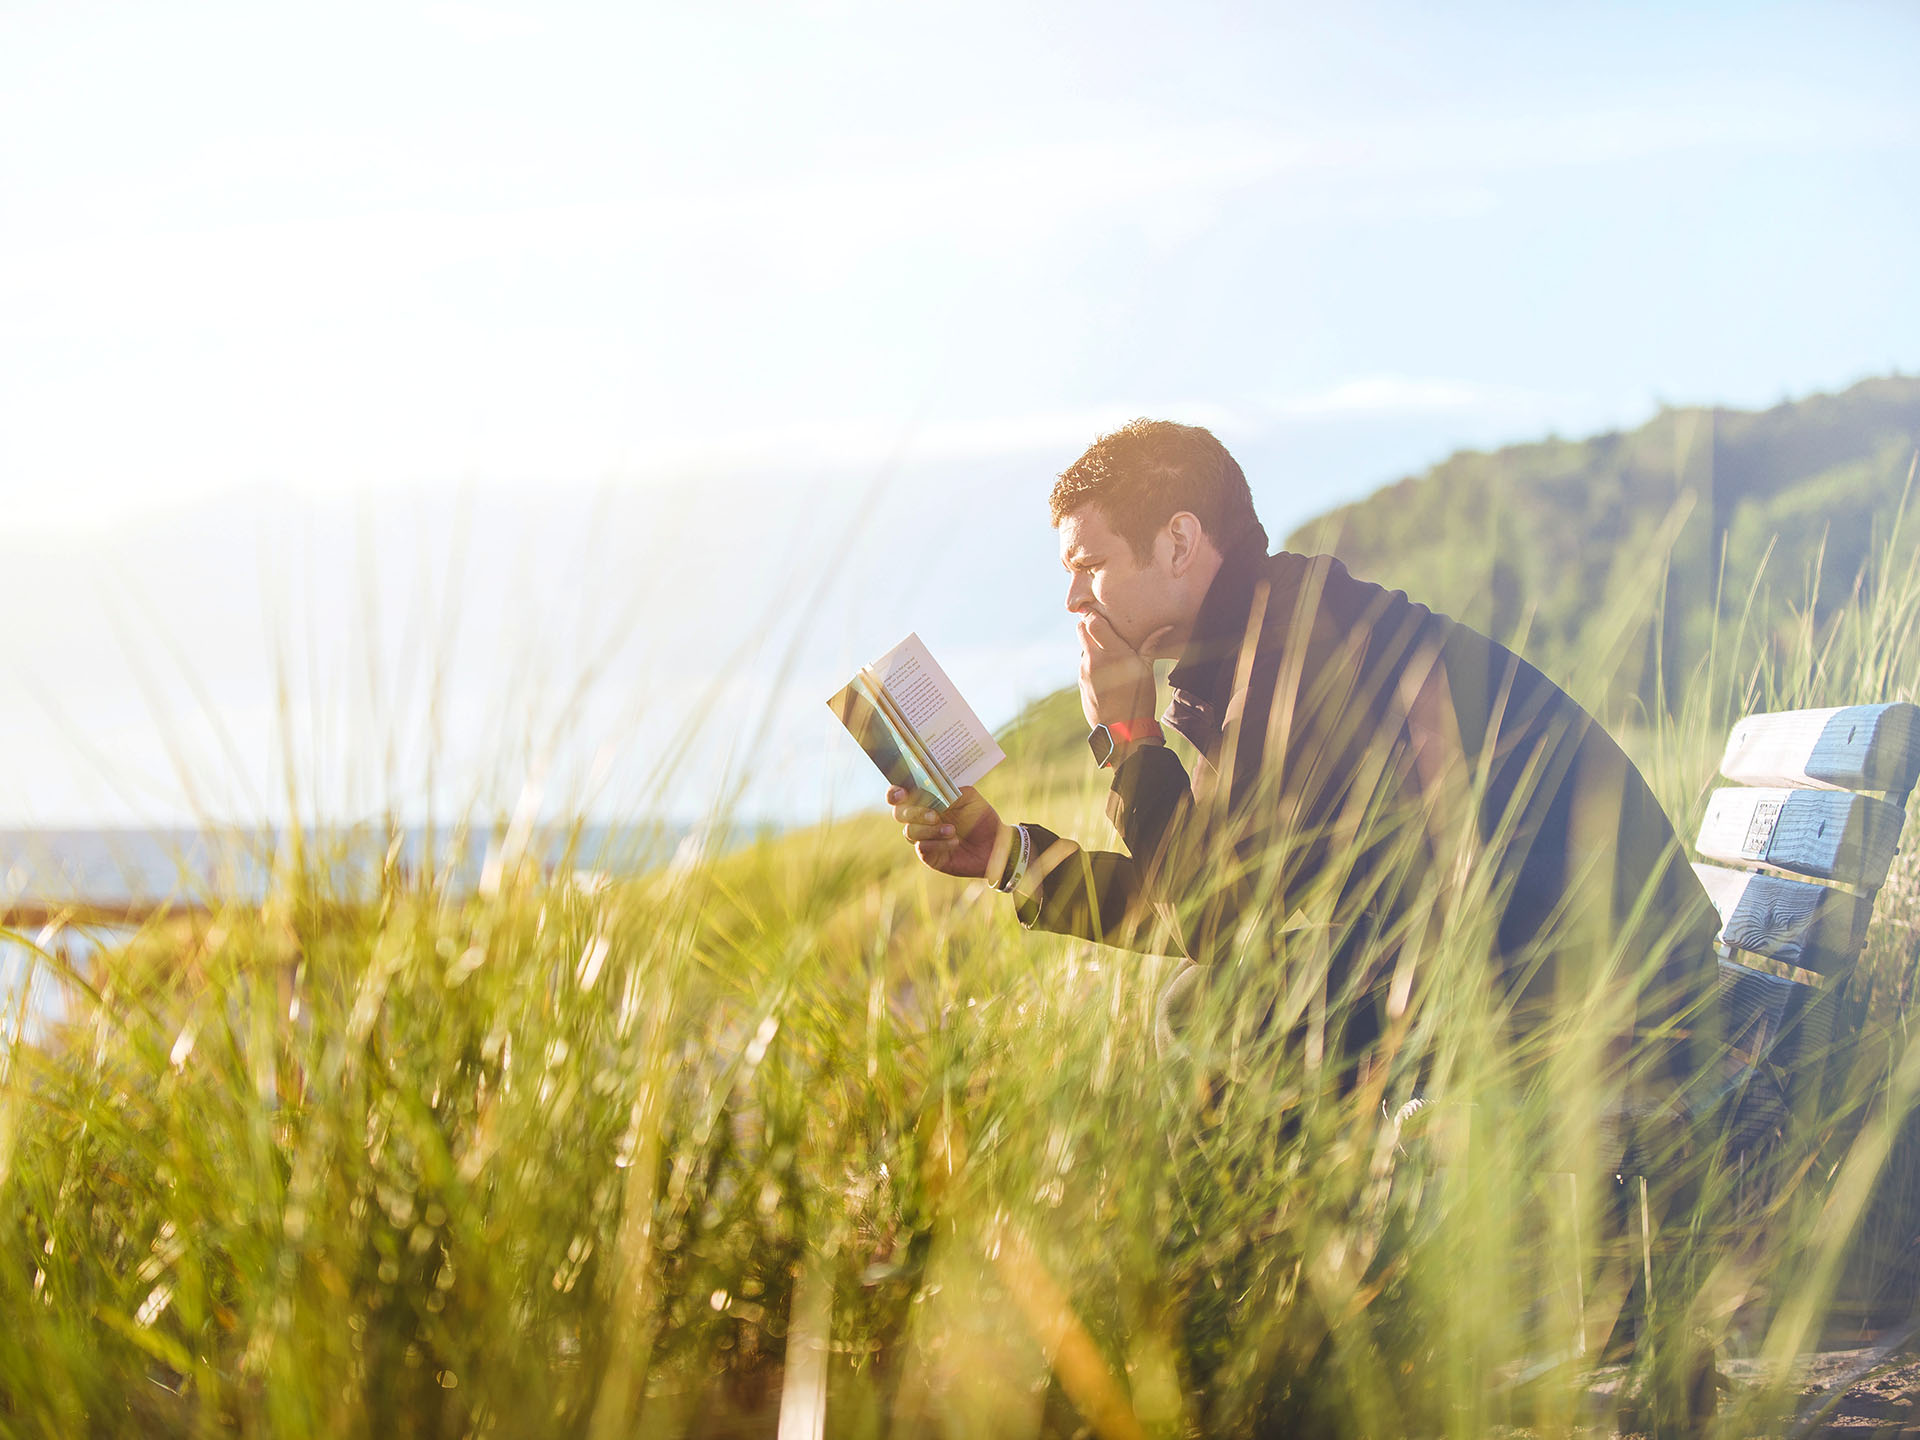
(801, 1136)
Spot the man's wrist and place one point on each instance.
(1131, 732)
(1113, 740)
(1006, 844)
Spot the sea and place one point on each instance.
(112, 867)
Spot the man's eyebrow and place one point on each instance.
(1077, 557)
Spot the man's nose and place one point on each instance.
(1080, 595)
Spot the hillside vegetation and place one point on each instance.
(1535, 541)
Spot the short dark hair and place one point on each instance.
(1148, 471)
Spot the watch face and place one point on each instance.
(1100, 741)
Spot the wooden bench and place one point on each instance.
(1793, 856)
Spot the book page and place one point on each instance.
(953, 735)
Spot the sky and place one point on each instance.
(464, 404)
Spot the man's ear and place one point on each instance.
(1186, 532)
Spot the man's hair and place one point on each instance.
(1148, 471)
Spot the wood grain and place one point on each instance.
(1829, 834)
(1792, 921)
(1849, 747)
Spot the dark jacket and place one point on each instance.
(1363, 762)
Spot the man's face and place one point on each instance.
(1137, 596)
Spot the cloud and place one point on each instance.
(1400, 395)
(851, 445)
(855, 442)
(482, 24)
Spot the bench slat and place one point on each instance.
(1777, 1035)
(1850, 747)
(1791, 921)
(1831, 834)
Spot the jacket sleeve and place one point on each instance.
(1102, 895)
(1151, 799)
(1187, 876)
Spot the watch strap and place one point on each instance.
(1129, 731)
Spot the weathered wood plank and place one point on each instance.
(1792, 921)
(1830, 834)
(1849, 747)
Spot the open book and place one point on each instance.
(915, 726)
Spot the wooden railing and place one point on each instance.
(22, 915)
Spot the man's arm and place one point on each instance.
(1098, 895)
(1101, 895)
(1151, 799)
(1094, 894)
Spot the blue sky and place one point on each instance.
(291, 297)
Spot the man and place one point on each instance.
(1364, 768)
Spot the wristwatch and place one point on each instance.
(1103, 740)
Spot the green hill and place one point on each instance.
(1532, 540)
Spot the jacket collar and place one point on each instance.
(1202, 680)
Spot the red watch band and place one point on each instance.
(1128, 731)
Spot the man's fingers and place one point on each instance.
(935, 852)
(1098, 632)
(918, 833)
(966, 811)
(1101, 636)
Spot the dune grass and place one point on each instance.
(801, 1135)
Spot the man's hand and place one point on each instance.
(962, 840)
(1116, 681)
